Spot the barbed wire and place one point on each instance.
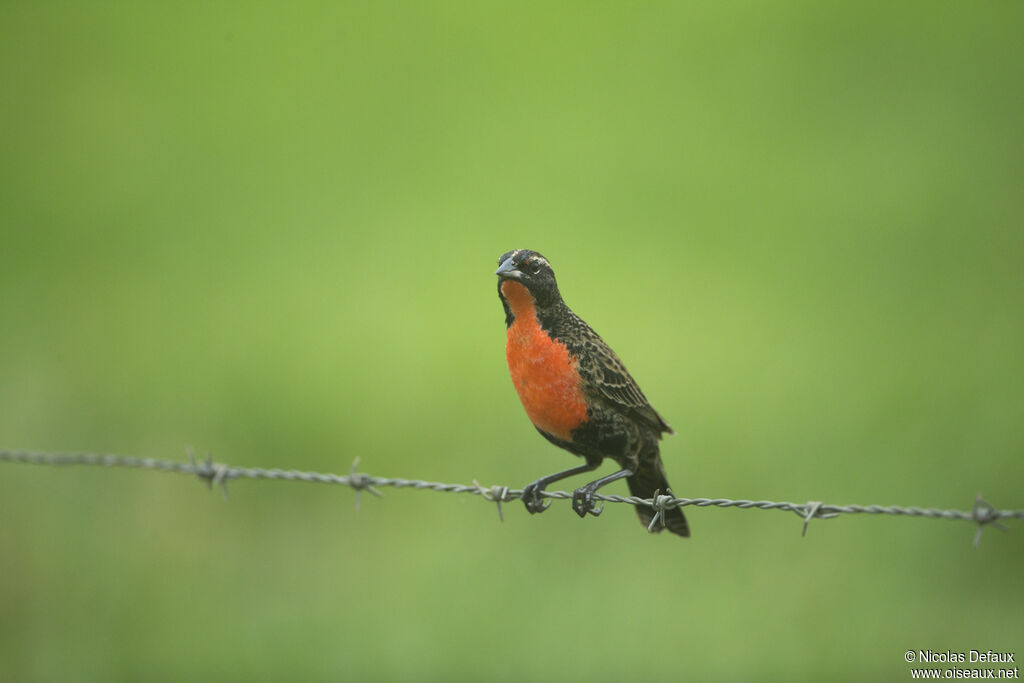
(981, 514)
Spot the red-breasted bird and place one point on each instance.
(577, 392)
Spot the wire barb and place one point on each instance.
(812, 510)
(361, 482)
(495, 494)
(983, 513)
(216, 473)
(661, 504)
(210, 472)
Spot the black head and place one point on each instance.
(531, 270)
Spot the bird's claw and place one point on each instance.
(531, 498)
(584, 504)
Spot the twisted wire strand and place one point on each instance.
(214, 473)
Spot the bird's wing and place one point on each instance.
(604, 373)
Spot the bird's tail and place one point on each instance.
(650, 478)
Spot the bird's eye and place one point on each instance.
(535, 267)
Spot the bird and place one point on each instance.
(578, 394)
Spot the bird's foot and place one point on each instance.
(531, 498)
(584, 502)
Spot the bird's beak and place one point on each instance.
(507, 271)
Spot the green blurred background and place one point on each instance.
(269, 232)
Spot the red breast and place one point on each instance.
(543, 371)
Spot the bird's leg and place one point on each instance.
(531, 492)
(583, 497)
